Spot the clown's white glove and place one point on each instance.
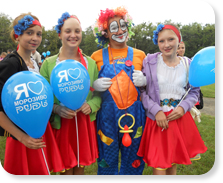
(102, 84)
(139, 79)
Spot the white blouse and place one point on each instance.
(171, 80)
(58, 61)
(36, 68)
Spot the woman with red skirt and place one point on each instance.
(23, 154)
(170, 136)
(64, 124)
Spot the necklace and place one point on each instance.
(29, 64)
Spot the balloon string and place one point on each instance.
(77, 141)
(45, 161)
(179, 103)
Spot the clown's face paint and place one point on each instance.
(123, 25)
(120, 38)
(114, 27)
(117, 30)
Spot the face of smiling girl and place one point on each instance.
(71, 33)
(117, 32)
(168, 42)
(31, 38)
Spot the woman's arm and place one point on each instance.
(149, 103)
(189, 101)
(94, 100)
(8, 68)
(192, 97)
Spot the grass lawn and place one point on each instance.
(207, 131)
(208, 91)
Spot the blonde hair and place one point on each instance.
(3, 54)
(15, 22)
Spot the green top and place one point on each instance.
(93, 98)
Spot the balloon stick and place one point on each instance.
(180, 102)
(77, 141)
(45, 161)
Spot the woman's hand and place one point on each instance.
(64, 112)
(161, 120)
(31, 142)
(176, 114)
(85, 108)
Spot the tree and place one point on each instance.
(5, 40)
(50, 42)
(194, 35)
(88, 44)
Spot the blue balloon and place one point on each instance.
(48, 53)
(27, 99)
(71, 83)
(202, 67)
(44, 54)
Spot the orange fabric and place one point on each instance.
(127, 89)
(138, 57)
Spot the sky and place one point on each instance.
(87, 11)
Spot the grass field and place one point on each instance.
(207, 131)
(208, 91)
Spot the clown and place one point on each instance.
(121, 112)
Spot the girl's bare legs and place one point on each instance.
(169, 171)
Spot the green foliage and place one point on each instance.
(88, 44)
(5, 40)
(50, 42)
(143, 38)
(197, 37)
(208, 91)
(194, 35)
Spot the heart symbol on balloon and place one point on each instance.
(74, 73)
(78, 84)
(35, 87)
(33, 113)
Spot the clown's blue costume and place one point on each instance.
(109, 137)
(121, 118)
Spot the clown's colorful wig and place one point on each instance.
(101, 25)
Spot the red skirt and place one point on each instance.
(20, 160)
(176, 145)
(66, 138)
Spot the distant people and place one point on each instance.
(9, 51)
(3, 55)
(181, 49)
(37, 57)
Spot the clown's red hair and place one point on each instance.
(110, 13)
